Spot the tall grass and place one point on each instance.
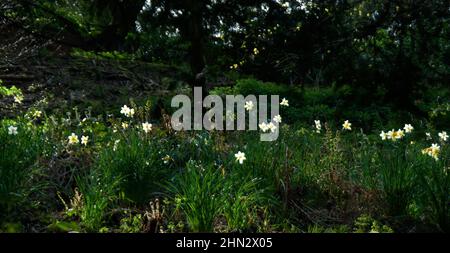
(19, 157)
(199, 193)
(138, 160)
(434, 188)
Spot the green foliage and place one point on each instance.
(106, 55)
(19, 164)
(131, 223)
(434, 181)
(307, 180)
(12, 91)
(137, 160)
(98, 192)
(198, 193)
(398, 163)
(366, 224)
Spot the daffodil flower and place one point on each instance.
(400, 134)
(147, 127)
(240, 157)
(37, 114)
(125, 110)
(166, 159)
(433, 151)
(284, 102)
(272, 127)
(391, 135)
(73, 139)
(277, 119)
(249, 105)
(263, 126)
(18, 99)
(318, 126)
(443, 136)
(383, 135)
(12, 130)
(408, 128)
(347, 125)
(84, 140)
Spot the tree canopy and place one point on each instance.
(384, 49)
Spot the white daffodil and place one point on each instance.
(84, 140)
(18, 99)
(408, 128)
(347, 125)
(443, 136)
(116, 144)
(12, 130)
(272, 127)
(433, 151)
(400, 134)
(391, 135)
(263, 126)
(249, 105)
(147, 127)
(125, 110)
(125, 125)
(73, 139)
(37, 114)
(428, 136)
(277, 119)
(318, 126)
(240, 157)
(383, 135)
(166, 159)
(284, 102)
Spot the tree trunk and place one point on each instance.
(195, 36)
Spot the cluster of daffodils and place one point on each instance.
(266, 127)
(240, 156)
(396, 135)
(270, 126)
(73, 139)
(432, 151)
(12, 130)
(127, 111)
(318, 126)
